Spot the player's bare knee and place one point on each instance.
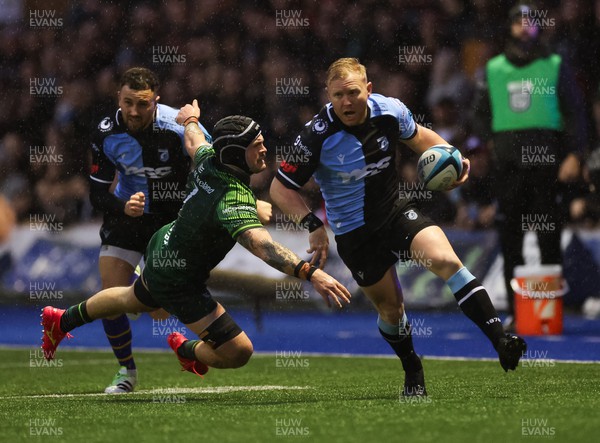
(242, 356)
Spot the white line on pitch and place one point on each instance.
(169, 391)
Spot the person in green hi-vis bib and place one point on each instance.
(530, 109)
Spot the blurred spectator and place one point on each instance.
(476, 206)
(529, 104)
(233, 53)
(446, 121)
(7, 219)
(60, 190)
(14, 182)
(586, 209)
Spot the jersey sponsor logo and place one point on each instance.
(320, 126)
(106, 124)
(286, 167)
(301, 146)
(148, 172)
(368, 171)
(94, 169)
(205, 186)
(384, 143)
(163, 155)
(239, 208)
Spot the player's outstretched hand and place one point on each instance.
(329, 288)
(264, 211)
(319, 244)
(187, 111)
(466, 168)
(135, 205)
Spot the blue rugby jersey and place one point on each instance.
(153, 161)
(354, 166)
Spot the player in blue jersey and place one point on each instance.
(141, 148)
(350, 148)
(219, 210)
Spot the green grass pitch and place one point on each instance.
(288, 398)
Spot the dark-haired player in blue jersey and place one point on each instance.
(350, 148)
(143, 147)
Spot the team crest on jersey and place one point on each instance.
(320, 126)
(411, 215)
(106, 125)
(163, 155)
(384, 143)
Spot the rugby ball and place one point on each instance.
(439, 167)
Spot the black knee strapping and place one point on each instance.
(221, 331)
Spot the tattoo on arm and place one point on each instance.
(194, 129)
(271, 252)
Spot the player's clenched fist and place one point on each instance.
(188, 111)
(135, 205)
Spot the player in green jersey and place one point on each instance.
(219, 210)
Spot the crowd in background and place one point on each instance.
(60, 69)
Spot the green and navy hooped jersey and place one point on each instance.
(354, 166)
(218, 208)
(153, 161)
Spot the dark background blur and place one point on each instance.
(61, 60)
